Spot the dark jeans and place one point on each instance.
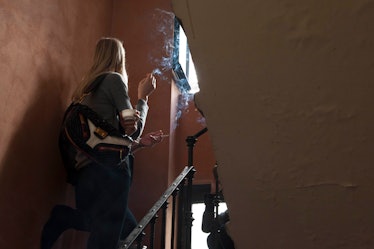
(101, 200)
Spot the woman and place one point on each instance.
(102, 192)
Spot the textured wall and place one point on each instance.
(287, 91)
(45, 48)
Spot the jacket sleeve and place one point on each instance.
(142, 107)
(118, 93)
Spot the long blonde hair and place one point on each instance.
(109, 57)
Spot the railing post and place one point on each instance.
(188, 210)
(191, 140)
(188, 219)
(153, 223)
(139, 240)
(181, 210)
(173, 210)
(163, 228)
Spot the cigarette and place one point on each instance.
(165, 135)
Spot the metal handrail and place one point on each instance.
(125, 244)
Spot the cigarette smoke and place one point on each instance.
(163, 65)
(162, 58)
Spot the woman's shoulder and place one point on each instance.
(114, 76)
(114, 79)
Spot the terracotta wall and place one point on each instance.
(147, 31)
(46, 46)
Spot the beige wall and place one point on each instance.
(287, 90)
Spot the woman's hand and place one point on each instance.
(146, 87)
(148, 140)
(129, 122)
(152, 138)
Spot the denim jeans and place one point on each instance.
(101, 208)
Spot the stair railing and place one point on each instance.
(182, 217)
(185, 238)
(150, 218)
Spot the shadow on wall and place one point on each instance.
(32, 177)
